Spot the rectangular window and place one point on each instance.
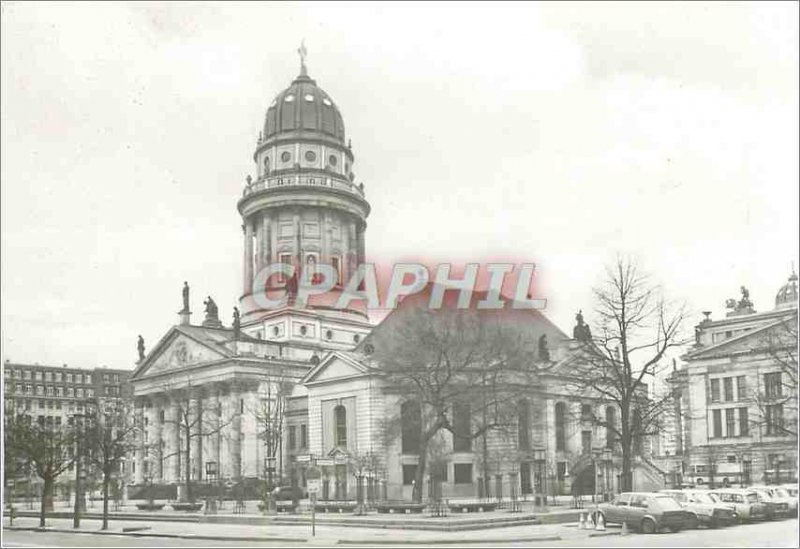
(286, 259)
(70, 391)
(730, 422)
(439, 471)
(57, 377)
(586, 442)
(523, 425)
(409, 474)
(292, 437)
(27, 374)
(741, 387)
(38, 376)
(60, 391)
(717, 423)
(744, 424)
(88, 378)
(773, 388)
(303, 436)
(336, 265)
(105, 378)
(561, 471)
(69, 378)
(462, 473)
(79, 393)
(774, 417)
(715, 390)
(728, 385)
(561, 419)
(47, 376)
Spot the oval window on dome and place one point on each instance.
(286, 156)
(311, 156)
(326, 102)
(289, 98)
(309, 97)
(333, 160)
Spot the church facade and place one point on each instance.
(289, 386)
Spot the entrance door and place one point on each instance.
(525, 477)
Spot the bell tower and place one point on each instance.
(303, 207)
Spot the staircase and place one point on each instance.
(647, 476)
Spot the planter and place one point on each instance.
(401, 508)
(472, 507)
(188, 507)
(333, 507)
(150, 506)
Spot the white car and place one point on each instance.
(705, 511)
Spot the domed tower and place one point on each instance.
(787, 296)
(303, 207)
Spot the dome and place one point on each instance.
(303, 108)
(787, 295)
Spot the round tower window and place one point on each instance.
(303, 330)
(329, 334)
(326, 102)
(333, 160)
(286, 156)
(275, 331)
(309, 97)
(289, 98)
(311, 156)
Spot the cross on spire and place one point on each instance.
(303, 52)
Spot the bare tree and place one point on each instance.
(195, 418)
(49, 449)
(455, 371)
(269, 412)
(635, 329)
(110, 436)
(776, 397)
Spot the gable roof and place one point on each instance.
(214, 339)
(349, 358)
(736, 344)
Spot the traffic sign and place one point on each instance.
(313, 485)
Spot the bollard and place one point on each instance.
(625, 530)
(581, 522)
(601, 523)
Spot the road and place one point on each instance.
(770, 534)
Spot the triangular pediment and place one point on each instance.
(176, 351)
(334, 366)
(754, 341)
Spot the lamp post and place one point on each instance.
(607, 488)
(76, 517)
(211, 475)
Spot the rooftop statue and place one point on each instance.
(237, 324)
(212, 312)
(140, 347)
(185, 293)
(544, 351)
(581, 331)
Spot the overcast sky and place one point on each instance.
(558, 133)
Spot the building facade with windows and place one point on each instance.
(736, 411)
(293, 384)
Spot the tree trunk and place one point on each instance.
(47, 499)
(188, 463)
(106, 479)
(626, 479)
(416, 494)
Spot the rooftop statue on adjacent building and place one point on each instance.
(741, 307)
(581, 331)
(140, 347)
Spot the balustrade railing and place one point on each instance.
(304, 181)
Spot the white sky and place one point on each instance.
(558, 133)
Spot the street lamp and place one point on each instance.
(211, 475)
(607, 461)
(76, 517)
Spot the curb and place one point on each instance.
(459, 541)
(154, 534)
(447, 541)
(601, 534)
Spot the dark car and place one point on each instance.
(646, 511)
(284, 493)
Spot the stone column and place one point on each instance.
(265, 241)
(361, 253)
(248, 256)
(138, 475)
(197, 438)
(352, 250)
(176, 450)
(236, 435)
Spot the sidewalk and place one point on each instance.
(325, 534)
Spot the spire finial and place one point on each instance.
(302, 51)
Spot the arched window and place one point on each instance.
(523, 424)
(411, 419)
(340, 421)
(611, 420)
(561, 422)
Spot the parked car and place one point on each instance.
(704, 510)
(779, 504)
(646, 511)
(283, 493)
(791, 489)
(744, 502)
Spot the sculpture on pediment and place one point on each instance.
(745, 302)
(544, 351)
(140, 347)
(237, 324)
(742, 306)
(581, 331)
(212, 312)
